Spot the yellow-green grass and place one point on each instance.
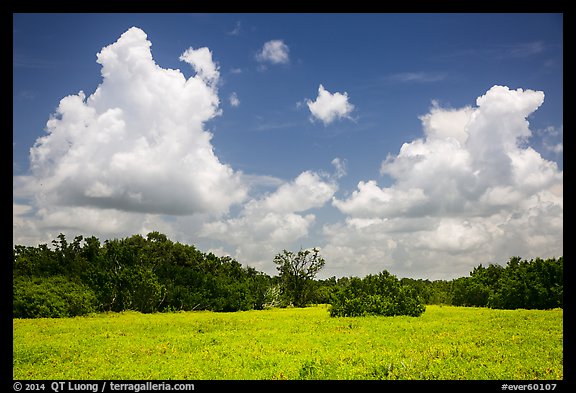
(293, 343)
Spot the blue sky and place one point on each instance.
(363, 134)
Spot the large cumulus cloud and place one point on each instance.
(139, 142)
(470, 191)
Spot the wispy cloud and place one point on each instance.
(417, 77)
(236, 30)
(502, 51)
(27, 94)
(234, 101)
(521, 50)
(552, 139)
(271, 126)
(25, 61)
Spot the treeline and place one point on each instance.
(153, 273)
(145, 274)
(535, 284)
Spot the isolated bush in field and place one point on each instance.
(51, 297)
(380, 294)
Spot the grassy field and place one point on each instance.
(444, 343)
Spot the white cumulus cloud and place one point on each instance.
(273, 222)
(470, 191)
(274, 52)
(328, 107)
(201, 60)
(138, 143)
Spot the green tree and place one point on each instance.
(380, 294)
(297, 272)
(535, 284)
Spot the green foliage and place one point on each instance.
(431, 292)
(534, 284)
(145, 274)
(470, 292)
(51, 297)
(380, 294)
(297, 273)
(153, 273)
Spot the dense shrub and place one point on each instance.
(380, 294)
(51, 297)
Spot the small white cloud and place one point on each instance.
(307, 191)
(329, 107)
(234, 101)
(275, 52)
